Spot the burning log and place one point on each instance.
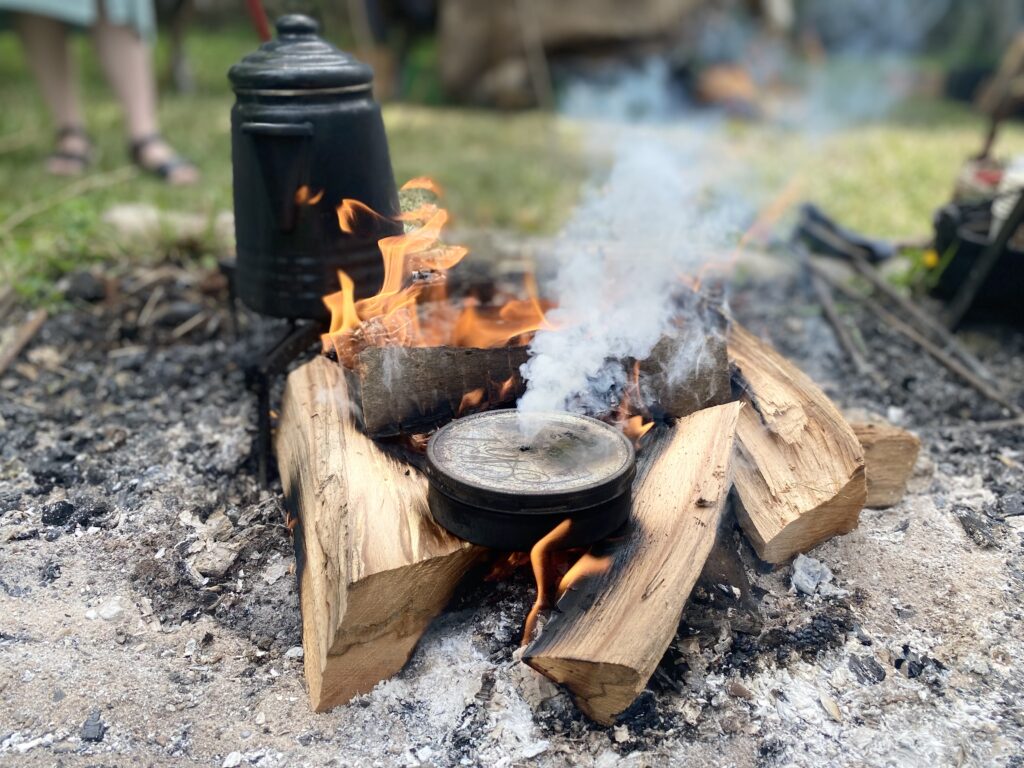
(687, 372)
(800, 478)
(374, 568)
(414, 389)
(889, 457)
(615, 621)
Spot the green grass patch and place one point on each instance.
(519, 172)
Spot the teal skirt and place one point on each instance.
(83, 13)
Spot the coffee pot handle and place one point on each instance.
(282, 152)
(283, 130)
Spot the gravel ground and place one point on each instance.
(149, 615)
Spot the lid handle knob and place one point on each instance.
(296, 25)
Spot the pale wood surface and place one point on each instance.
(611, 630)
(800, 475)
(890, 453)
(374, 567)
(414, 389)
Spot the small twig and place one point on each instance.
(189, 325)
(69, 192)
(925, 322)
(146, 314)
(25, 333)
(922, 341)
(842, 331)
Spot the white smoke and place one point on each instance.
(621, 262)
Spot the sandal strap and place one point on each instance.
(139, 144)
(166, 168)
(162, 170)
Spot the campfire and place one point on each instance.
(386, 535)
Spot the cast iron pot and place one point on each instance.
(494, 485)
(305, 119)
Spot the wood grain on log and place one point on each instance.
(414, 389)
(800, 478)
(374, 568)
(611, 629)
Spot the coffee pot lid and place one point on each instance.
(299, 60)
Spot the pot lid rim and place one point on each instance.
(497, 499)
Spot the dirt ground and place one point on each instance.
(149, 614)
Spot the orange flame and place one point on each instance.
(635, 428)
(487, 328)
(588, 566)
(543, 558)
(633, 425)
(503, 567)
(303, 196)
(353, 216)
(471, 399)
(411, 307)
(505, 390)
(540, 559)
(422, 182)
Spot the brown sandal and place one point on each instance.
(163, 170)
(82, 159)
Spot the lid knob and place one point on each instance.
(296, 25)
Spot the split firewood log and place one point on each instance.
(686, 372)
(374, 568)
(414, 389)
(800, 475)
(613, 624)
(890, 454)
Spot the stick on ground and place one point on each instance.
(25, 333)
(842, 331)
(925, 323)
(911, 333)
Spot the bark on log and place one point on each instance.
(800, 475)
(374, 568)
(687, 372)
(414, 389)
(610, 630)
(889, 457)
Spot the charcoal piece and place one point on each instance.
(1011, 505)
(976, 527)
(866, 669)
(85, 286)
(93, 728)
(58, 512)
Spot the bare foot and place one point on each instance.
(71, 156)
(156, 156)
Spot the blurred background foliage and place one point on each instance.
(508, 170)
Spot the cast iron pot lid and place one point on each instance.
(505, 460)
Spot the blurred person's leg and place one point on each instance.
(128, 65)
(45, 41)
